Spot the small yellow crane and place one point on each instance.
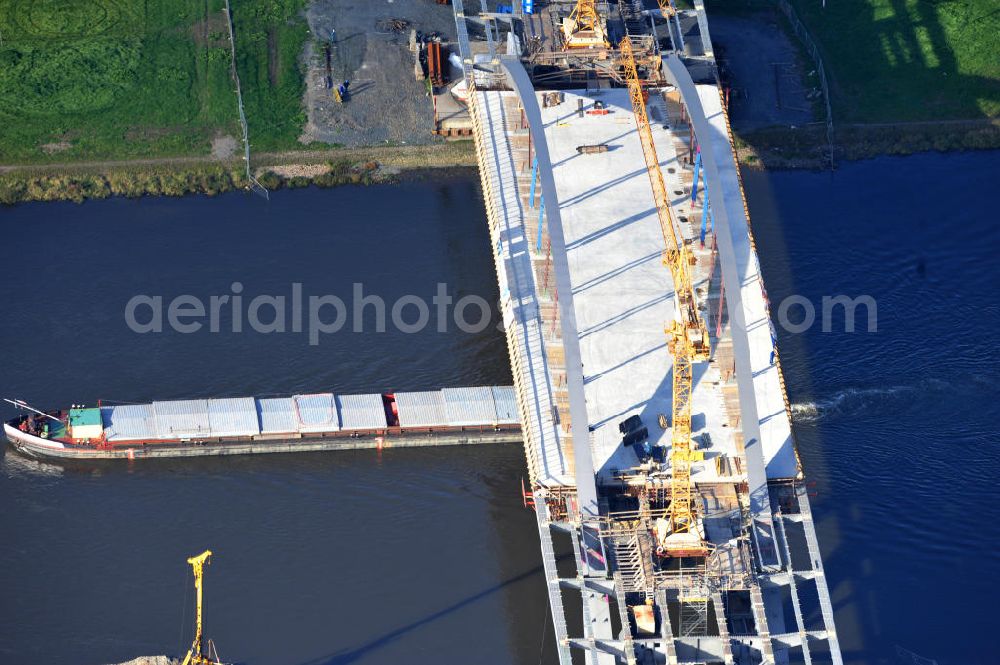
(196, 656)
(678, 534)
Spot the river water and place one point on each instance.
(428, 555)
(898, 428)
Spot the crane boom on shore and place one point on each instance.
(687, 338)
(197, 655)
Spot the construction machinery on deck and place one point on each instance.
(679, 554)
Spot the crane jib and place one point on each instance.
(687, 337)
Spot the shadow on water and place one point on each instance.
(885, 420)
(348, 656)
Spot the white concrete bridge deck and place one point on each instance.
(622, 292)
(519, 293)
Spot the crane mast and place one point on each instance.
(687, 338)
(195, 655)
(584, 27)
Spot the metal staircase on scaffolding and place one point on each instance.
(760, 620)
(693, 612)
(626, 634)
(720, 619)
(632, 548)
(692, 600)
(632, 16)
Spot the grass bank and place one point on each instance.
(908, 60)
(119, 79)
(113, 79)
(905, 76)
(177, 177)
(270, 37)
(806, 147)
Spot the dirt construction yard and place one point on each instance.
(368, 45)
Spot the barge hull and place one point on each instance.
(39, 448)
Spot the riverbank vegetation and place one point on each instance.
(131, 182)
(807, 147)
(328, 168)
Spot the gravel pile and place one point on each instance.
(151, 660)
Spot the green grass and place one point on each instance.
(897, 60)
(270, 35)
(112, 79)
(118, 79)
(902, 60)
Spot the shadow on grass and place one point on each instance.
(905, 77)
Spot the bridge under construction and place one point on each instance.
(656, 425)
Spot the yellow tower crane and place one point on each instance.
(584, 27)
(678, 534)
(196, 655)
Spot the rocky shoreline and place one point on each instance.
(150, 660)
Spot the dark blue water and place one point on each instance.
(427, 555)
(403, 556)
(898, 427)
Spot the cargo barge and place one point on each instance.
(252, 425)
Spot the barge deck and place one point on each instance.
(250, 425)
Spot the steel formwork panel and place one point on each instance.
(182, 419)
(361, 411)
(317, 413)
(235, 416)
